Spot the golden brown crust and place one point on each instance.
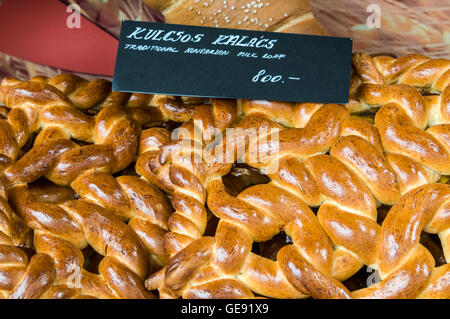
(69, 227)
(134, 200)
(262, 210)
(413, 128)
(170, 165)
(411, 69)
(294, 16)
(402, 257)
(55, 106)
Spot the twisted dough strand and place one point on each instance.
(134, 200)
(170, 165)
(407, 268)
(115, 130)
(414, 129)
(62, 230)
(26, 101)
(21, 277)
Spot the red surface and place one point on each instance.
(37, 31)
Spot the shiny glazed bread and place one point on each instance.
(345, 166)
(333, 168)
(123, 219)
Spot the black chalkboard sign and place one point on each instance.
(227, 63)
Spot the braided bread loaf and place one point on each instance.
(61, 230)
(365, 167)
(294, 16)
(171, 165)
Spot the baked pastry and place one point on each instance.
(346, 166)
(86, 133)
(76, 149)
(293, 16)
(171, 166)
(331, 169)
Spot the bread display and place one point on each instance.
(116, 195)
(101, 198)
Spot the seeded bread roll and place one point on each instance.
(293, 16)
